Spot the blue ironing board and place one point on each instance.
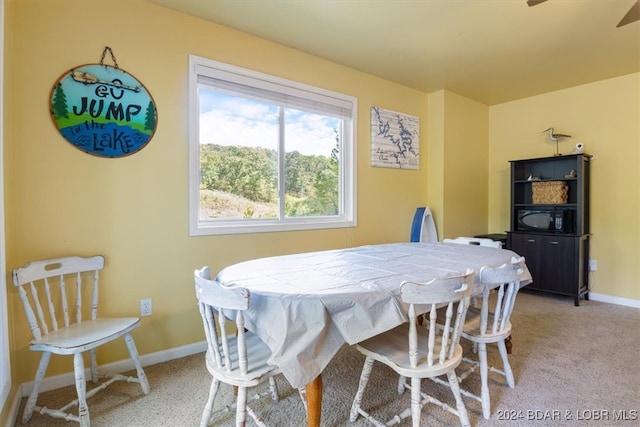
(423, 228)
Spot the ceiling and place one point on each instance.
(492, 51)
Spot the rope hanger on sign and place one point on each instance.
(113, 57)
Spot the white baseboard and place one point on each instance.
(628, 302)
(63, 380)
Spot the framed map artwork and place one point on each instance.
(395, 139)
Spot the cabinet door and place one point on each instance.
(557, 264)
(550, 259)
(528, 246)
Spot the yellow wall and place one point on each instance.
(436, 157)
(605, 117)
(134, 210)
(458, 161)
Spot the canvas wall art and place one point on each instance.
(394, 139)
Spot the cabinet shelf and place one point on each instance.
(529, 181)
(545, 205)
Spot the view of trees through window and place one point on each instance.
(241, 141)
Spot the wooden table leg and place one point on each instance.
(314, 402)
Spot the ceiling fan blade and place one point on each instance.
(534, 2)
(632, 15)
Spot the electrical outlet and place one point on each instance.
(146, 309)
(593, 265)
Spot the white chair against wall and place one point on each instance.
(237, 357)
(479, 241)
(417, 352)
(484, 326)
(52, 292)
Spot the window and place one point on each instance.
(267, 154)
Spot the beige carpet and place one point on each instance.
(573, 365)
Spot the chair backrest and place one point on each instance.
(213, 297)
(53, 285)
(478, 241)
(452, 292)
(506, 279)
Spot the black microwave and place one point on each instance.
(549, 220)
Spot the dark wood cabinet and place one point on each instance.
(551, 230)
(558, 263)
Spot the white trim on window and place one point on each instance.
(5, 362)
(292, 94)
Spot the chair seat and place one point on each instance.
(391, 349)
(258, 367)
(84, 336)
(471, 330)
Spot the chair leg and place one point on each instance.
(508, 373)
(416, 401)
(484, 374)
(33, 397)
(94, 365)
(401, 384)
(303, 395)
(508, 344)
(81, 388)
(133, 353)
(455, 388)
(273, 387)
(364, 379)
(241, 407)
(208, 407)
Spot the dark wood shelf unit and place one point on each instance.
(558, 259)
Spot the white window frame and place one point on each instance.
(207, 68)
(5, 361)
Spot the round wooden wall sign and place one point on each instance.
(103, 110)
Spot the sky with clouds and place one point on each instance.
(232, 120)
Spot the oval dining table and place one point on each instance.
(306, 306)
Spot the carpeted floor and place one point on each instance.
(573, 366)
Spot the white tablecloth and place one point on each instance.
(306, 306)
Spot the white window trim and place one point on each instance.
(347, 153)
(5, 361)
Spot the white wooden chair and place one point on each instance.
(415, 351)
(479, 241)
(476, 241)
(485, 326)
(236, 357)
(52, 291)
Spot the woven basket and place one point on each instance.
(550, 192)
